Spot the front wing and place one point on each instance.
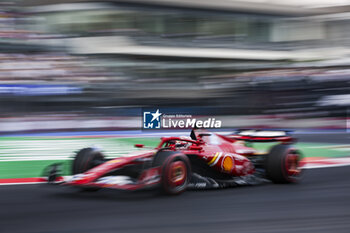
(148, 179)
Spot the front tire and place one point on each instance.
(283, 164)
(86, 159)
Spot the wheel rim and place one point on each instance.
(177, 173)
(292, 164)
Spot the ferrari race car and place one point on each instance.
(202, 161)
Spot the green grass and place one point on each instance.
(26, 169)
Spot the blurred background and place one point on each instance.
(77, 73)
(73, 64)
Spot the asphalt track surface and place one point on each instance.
(320, 203)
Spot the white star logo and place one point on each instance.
(156, 115)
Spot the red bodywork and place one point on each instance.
(226, 154)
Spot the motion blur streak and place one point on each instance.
(77, 61)
(75, 73)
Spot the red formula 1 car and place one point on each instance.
(203, 160)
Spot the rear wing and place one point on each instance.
(253, 135)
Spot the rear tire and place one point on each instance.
(86, 159)
(283, 164)
(175, 171)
